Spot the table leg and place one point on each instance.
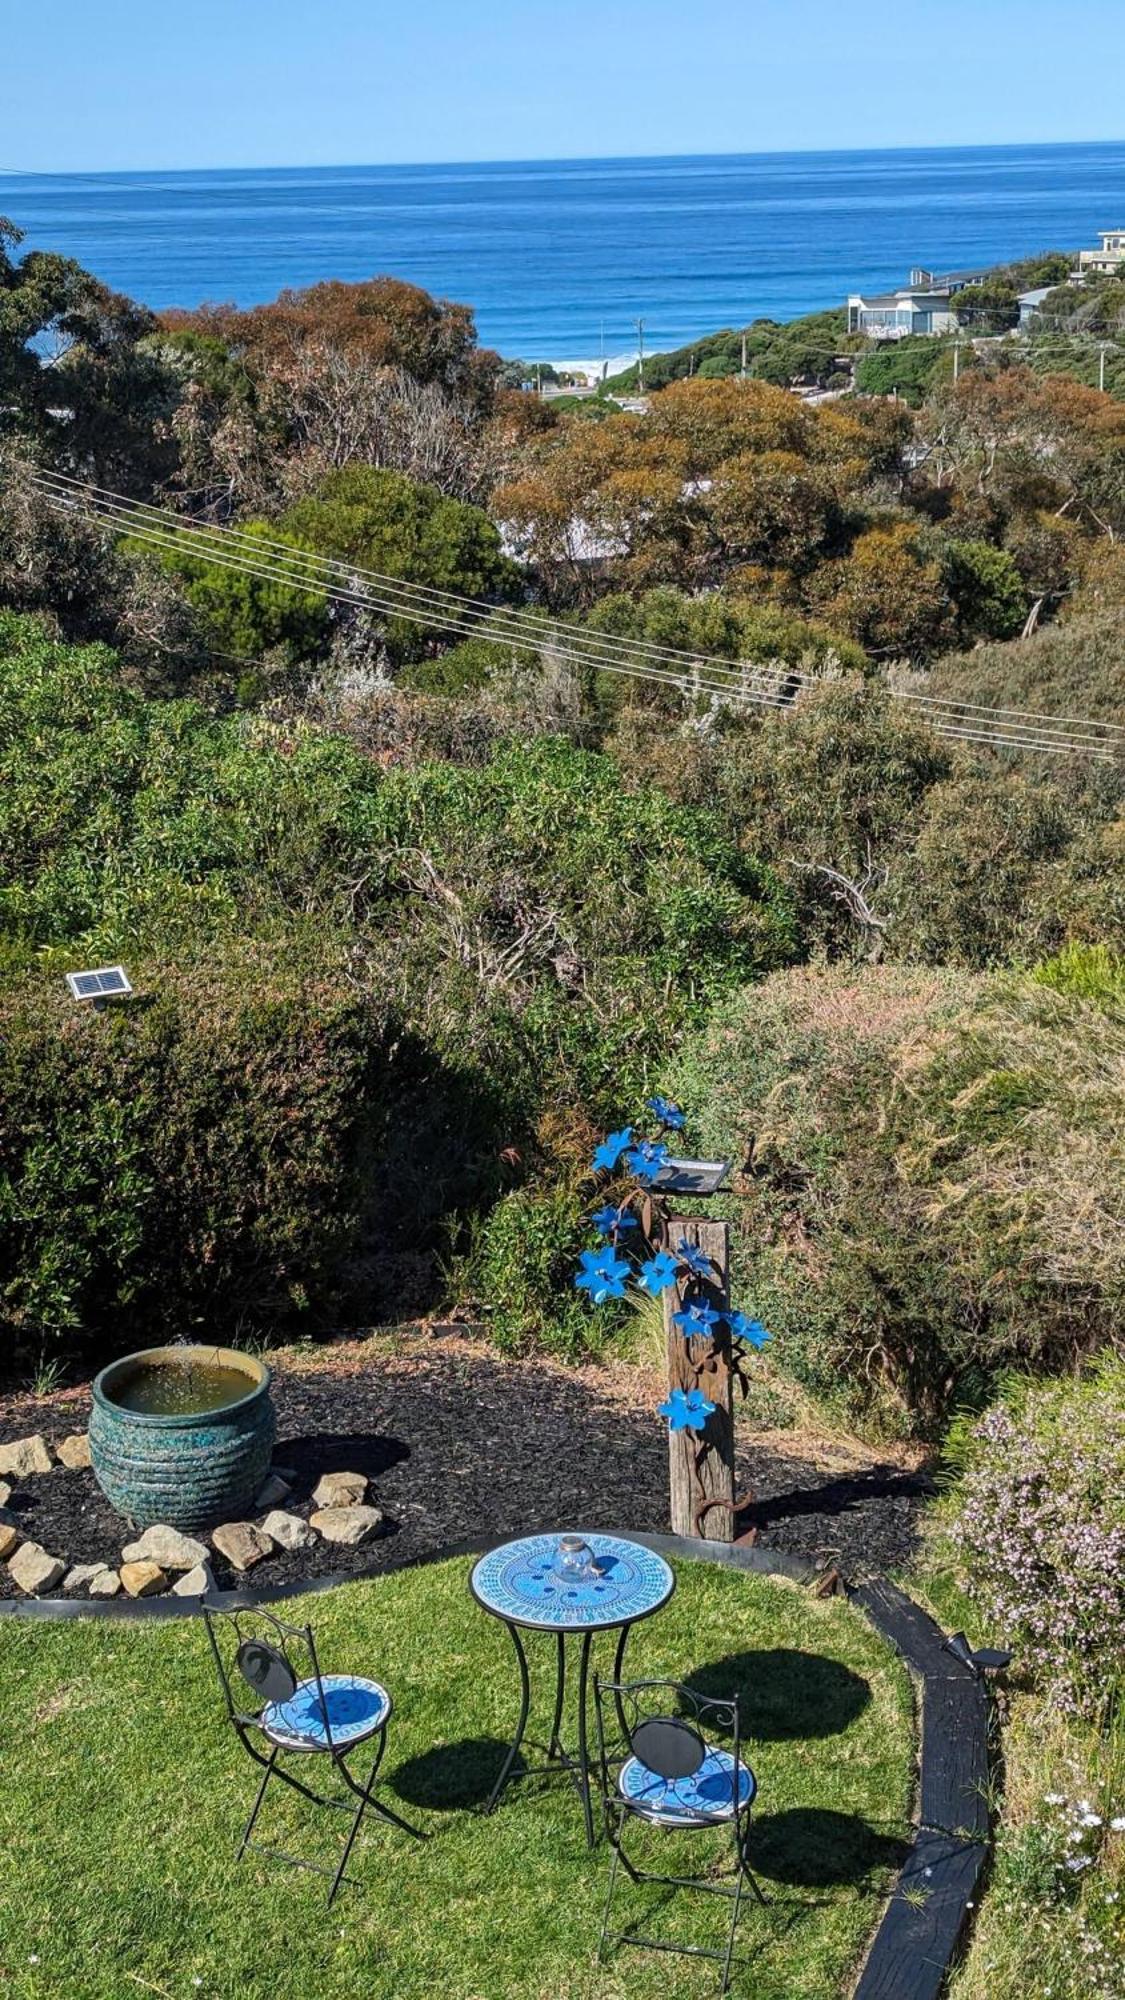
(618, 1668)
(554, 1747)
(583, 1755)
(525, 1704)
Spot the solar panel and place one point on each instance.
(106, 982)
(701, 1177)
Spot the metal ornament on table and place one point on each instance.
(646, 1248)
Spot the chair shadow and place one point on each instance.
(452, 1777)
(370, 1452)
(811, 1847)
(783, 1693)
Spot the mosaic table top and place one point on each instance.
(525, 1583)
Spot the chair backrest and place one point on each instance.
(671, 1744)
(254, 1649)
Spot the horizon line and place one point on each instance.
(551, 160)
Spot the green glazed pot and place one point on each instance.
(189, 1469)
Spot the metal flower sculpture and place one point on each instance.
(640, 1252)
(687, 1412)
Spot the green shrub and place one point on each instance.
(522, 1265)
(1089, 971)
(932, 1171)
(189, 1164)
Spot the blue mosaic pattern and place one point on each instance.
(356, 1708)
(522, 1582)
(707, 1795)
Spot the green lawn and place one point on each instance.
(122, 1792)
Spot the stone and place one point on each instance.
(196, 1583)
(349, 1525)
(241, 1543)
(340, 1489)
(74, 1452)
(106, 1584)
(272, 1493)
(9, 1540)
(142, 1579)
(25, 1456)
(5, 1492)
(83, 1574)
(288, 1530)
(34, 1570)
(166, 1546)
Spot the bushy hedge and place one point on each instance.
(540, 932)
(932, 1176)
(192, 1163)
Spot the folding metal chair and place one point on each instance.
(300, 1714)
(673, 1778)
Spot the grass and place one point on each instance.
(122, 1793)
(1042, 1932)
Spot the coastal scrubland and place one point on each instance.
(415, 901)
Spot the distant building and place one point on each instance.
(1109, 260)
(1030, 302)
(925, 305)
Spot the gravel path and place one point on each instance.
(459, 1442)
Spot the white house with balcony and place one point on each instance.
(925, 305)
(1109, 259)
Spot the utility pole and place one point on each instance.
(1101, 367)
(744, 357)
(956, 359)
(640, 357)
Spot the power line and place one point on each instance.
(208, 545)
(305, 569)
(769, 687)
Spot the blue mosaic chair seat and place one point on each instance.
(703, 1797)
(356, 1708)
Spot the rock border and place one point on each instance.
(927, 1917)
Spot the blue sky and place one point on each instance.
(126, 84)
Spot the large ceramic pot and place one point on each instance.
(182, 1434)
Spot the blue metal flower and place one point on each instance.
(609, 1152)
(658, 1273)
(603, 1275)
(668, 1113)
(696, 1318)
(609, 1219)
(686, 1412)
(699, 1265)
(750, 1330)
(646, 1159)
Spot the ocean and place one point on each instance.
(560, 258)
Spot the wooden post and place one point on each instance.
(714, 1482)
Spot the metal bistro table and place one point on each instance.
(524, 1584)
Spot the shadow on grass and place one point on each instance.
(810, 1847)
(784, 1694)
(452, 1777)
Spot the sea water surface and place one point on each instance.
(560, 258)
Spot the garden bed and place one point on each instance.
(459, 1442)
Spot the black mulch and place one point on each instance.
(458, 1443)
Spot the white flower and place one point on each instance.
(1117, 1825)
(1053, 1799)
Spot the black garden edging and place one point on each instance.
(926, 1919)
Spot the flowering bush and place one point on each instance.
(1038, 1529)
